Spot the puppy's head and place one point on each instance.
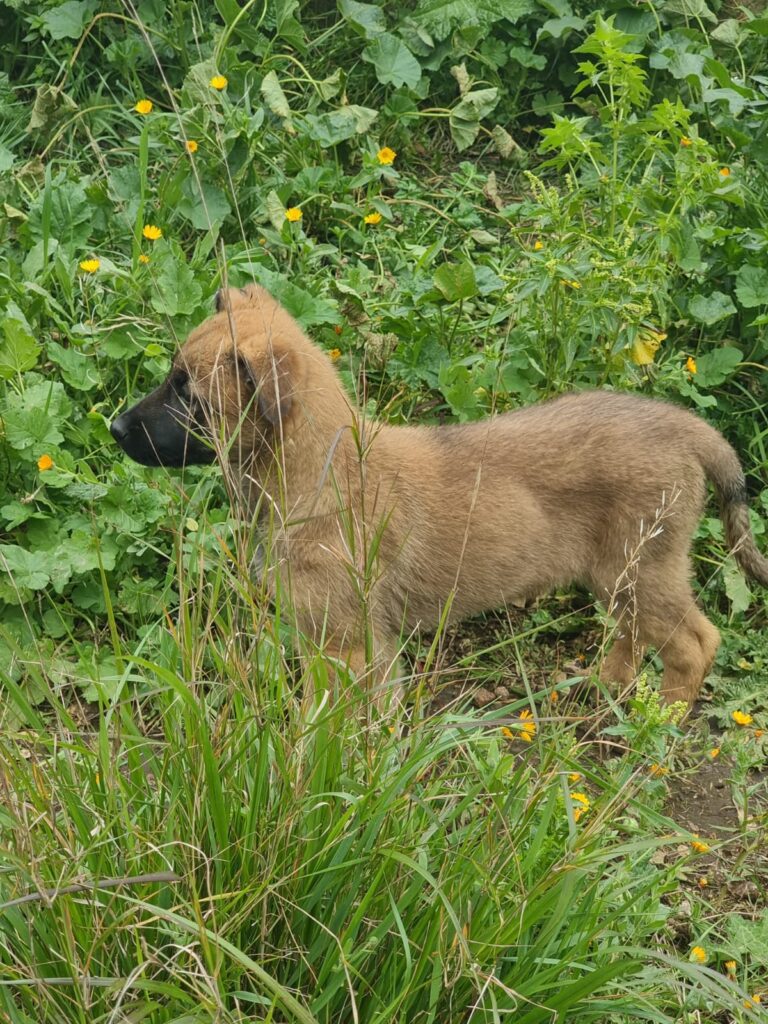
(231, 387)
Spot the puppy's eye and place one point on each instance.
(181, 386)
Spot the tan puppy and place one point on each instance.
(379, 530)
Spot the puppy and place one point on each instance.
(380, 530)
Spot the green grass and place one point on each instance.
(196, 826)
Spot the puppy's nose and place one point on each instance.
(119, 428)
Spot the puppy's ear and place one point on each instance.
(273, 382)
(233, 298)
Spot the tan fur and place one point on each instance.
(379, 528)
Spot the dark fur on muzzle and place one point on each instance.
(163, 429)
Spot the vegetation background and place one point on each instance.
(472, 206)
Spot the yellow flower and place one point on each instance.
(753, 1001)
(335, 354)
(744, 664)
(537, 245)
(703, 882)
(152, 232)
(372, 218)
(645, 346)
(571, 284)
(574, 777)
(293, 214)
(714, 752)
(507, 733)
(583, 801)
(143, 258)
(685, 141)
(44, 463)
(191, 146)
(527, 726)
(758, 733)
(690, 365)
(699, 954)
(730, 966)
(386, 155)
(90, 266)
(658, 769)
(554, 696)
(741, 718)
(144, 107)
(724, 172)
(697, 846)
(218, 82)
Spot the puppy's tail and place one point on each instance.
(723, 469)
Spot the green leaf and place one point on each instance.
(394, 62)
(176, 291)
(714, 367)
(204, 211)
(339, 125)
(6, 162)
(78, 370)
(749, 938)
(458, 388)
(752, 286)
(441, 17)
(738, 593)
(367, 19)
(66, 21)
(32, 418)
(689, 9)
(26, 569)
(709, 309)
(456, 281)
(275, 98)
(18, 350)
(466, 115)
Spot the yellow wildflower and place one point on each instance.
(538, 245)
(152, 232)
(730, 966)
(527, 726)
(293, 214)
(507, 733)
(703, 882)
(741, 718)
(753, 1001)
(143, 258)
(697, 846)
(685, 141)
(218, 82)
(758, 733)
(583, 801)
(335, 354)
(699, 954)
(690, 365)
(372, 218)
(574, 777)
(386, 155)
(658, 769)
(554, 696)
(191, 146)
(570, 284)
(144, 107)
(714, 752)
(645, 346)
(725, 172)
(44, 463)
(90, 266)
